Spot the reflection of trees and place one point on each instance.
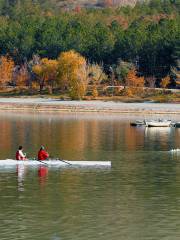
(134, 137)
(177, 138)
(137, 190)
(76, 138)
(5, 136)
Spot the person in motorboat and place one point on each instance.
(42, 154)
(20, 155)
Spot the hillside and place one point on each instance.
(71, 4)
(145, 36)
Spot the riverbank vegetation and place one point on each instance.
(90, 52)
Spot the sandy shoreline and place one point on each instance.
(48, 105)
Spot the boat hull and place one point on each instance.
(54, 163)
(158, 124)
(177, 125)
(137, 123)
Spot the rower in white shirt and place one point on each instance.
(20, 155)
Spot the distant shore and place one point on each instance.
(55, 105)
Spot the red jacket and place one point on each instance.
(42, 155)
(20, 155)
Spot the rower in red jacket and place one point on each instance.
(42, 154)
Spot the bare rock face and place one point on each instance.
(108, 3)
(92, 3)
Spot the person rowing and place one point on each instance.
(20, 155)
(42, 154)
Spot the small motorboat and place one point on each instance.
(177, 125)
(158, 123)
(138, 123)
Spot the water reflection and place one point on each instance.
(71, 136)
(160, 135)
(158, 132)
(21, 171)
(137, 199)
(42, 174)
(56, 237)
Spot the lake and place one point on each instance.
(137, 199)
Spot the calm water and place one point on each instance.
(138, 199)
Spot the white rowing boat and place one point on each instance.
(159, 123)
(55, 163)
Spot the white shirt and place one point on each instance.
(21, 154)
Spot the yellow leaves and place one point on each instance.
(49, 64)
(133, 80)
(95, 73)
(134, 83)
(165, 82)
(46, 70)
(72, 73)
(37, 69)
(6, 69)
(95, 92)
(68, 71)
(71, 58)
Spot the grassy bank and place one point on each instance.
(151, 96)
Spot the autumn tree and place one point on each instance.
(77, 9)
(95, 75)
(108, 3)
(46, 72)
(72, 73)
(134, 83)
(121, 71)
(21, 76)
(132, 80)
(146, 35)
(6, 70)
(165, 82)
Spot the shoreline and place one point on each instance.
(95, 106)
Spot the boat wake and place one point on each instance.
(177, 150)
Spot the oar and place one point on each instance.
(40, 161)
(63, 161)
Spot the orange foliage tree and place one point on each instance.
(134, 83)
(46, 71)
(132, 80)
(72, 73)
(6, 70)
(108, 3)
(165, 82)
(77, 9)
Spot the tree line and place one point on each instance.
(144, 39)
